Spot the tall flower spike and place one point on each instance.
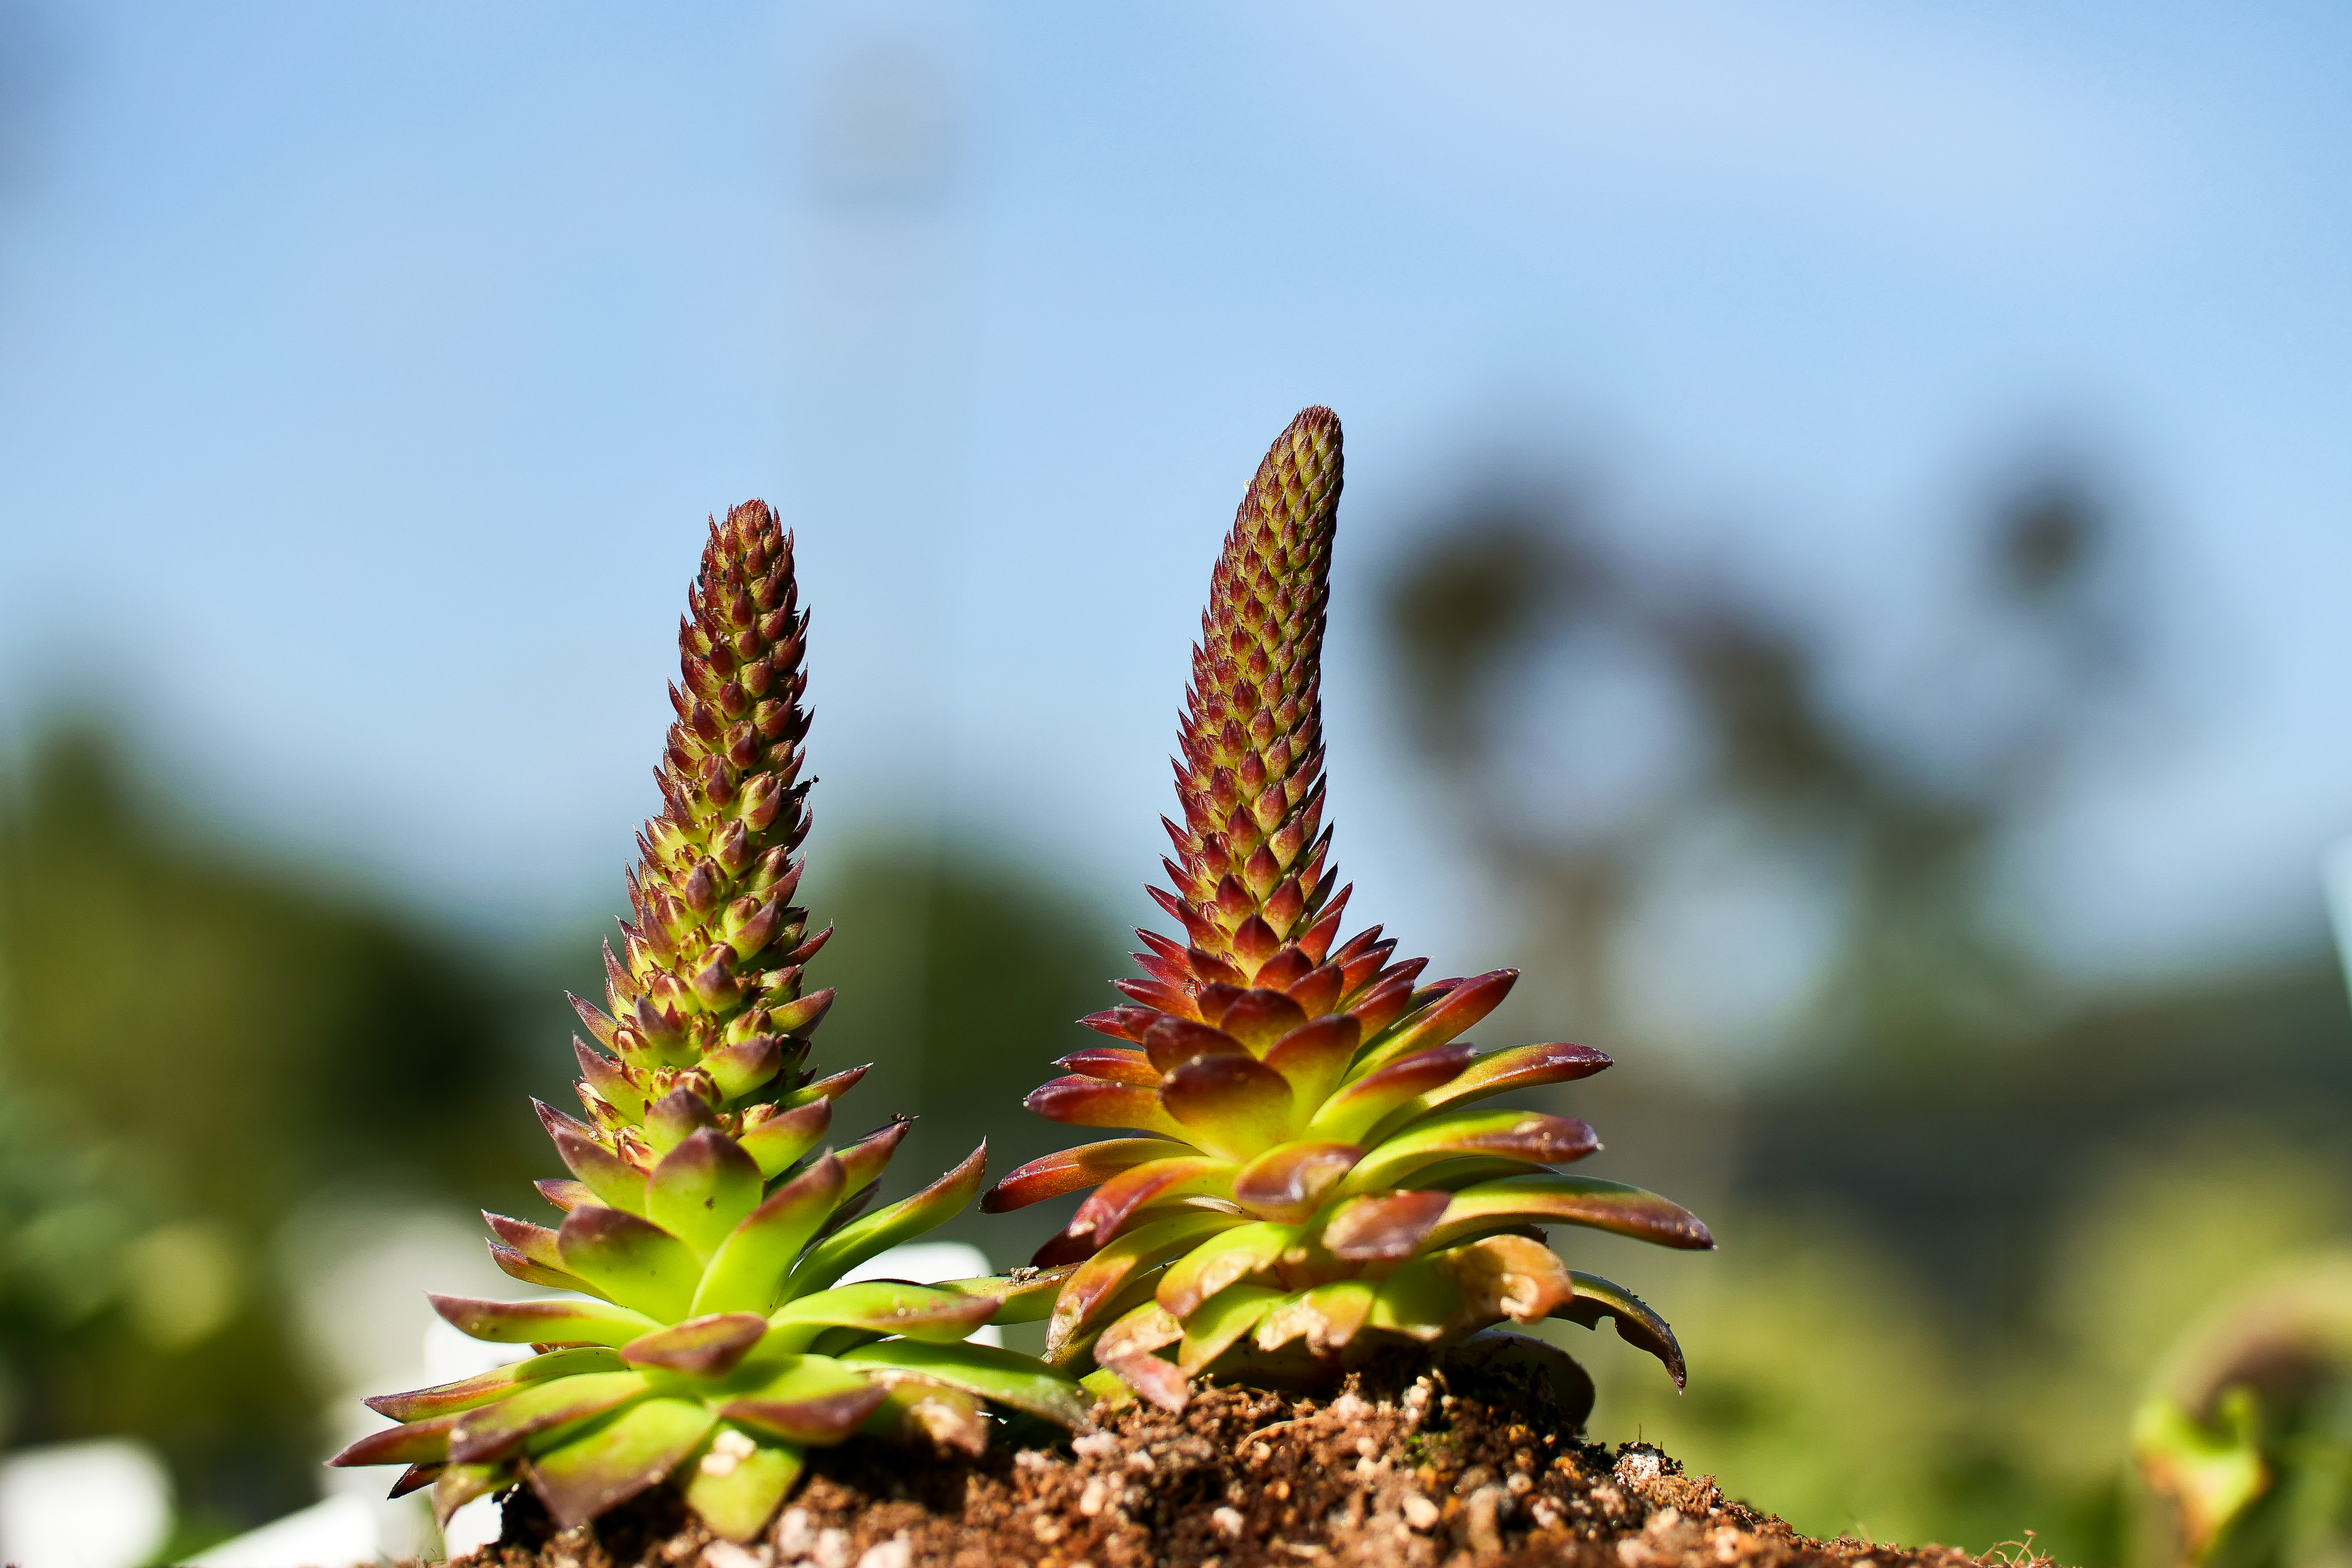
(706, 1220)
(1314, 1177)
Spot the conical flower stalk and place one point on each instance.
(1313, 1172)
(708, 1214)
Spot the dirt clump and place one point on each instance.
(1426, 1474)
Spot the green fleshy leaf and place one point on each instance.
(702, 1190)
(885, 1228)
(776, 1142)
(1440, 1021)
(498, 1431)
(1291, 1181)
(884, 1306)
(631, 1259)
(1107, 1387)
(1234, 1106)
(1637, 1325)
(747, 1273)
(459, 1485)
(604, 1074)
(864, 1161)
(1094, 1284)
(1351, 1116)
(810, 1399)
(425, 1442)
(916, 1410)
(617, 1182)
(739, 1480)
(1418, 1302)
(1326, 1317)
(1024, 1296)
(471, 1393)
(1222, 1261)
(616, 1459)
(543, 1322)
(1500, 1071)
(1220, 1321)
(1529, 1135)
(707, 1346)
(516, 1266)
(739, 1069)
(1494, 1206)
(1008, 1377)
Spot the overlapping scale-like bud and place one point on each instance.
(708, 1217)
(1314, 1172)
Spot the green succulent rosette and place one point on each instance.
(703, 1341)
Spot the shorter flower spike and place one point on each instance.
(707, 1217)
(1318, 1175)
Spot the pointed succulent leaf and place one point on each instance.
(1108, 1207)
(616, 1183)
(1220, 1321)
(828, 1089)
(543, 1322)
(1441, 1020)
(885, 1228)
(1023, 1296)
(1419, 1301)
(515, 1265)
(747, 1273)
(917, 1410)
(863, 1161)
(459, 1485)
(498, 1431)
(884, 1306)
(1289, 1181)
(603, 1075)
(1009, 1378)
(811, 1399)
(1351, 1116)
(1326, 1317)
(1082, 1102)
(675, 1117)
(1509, 1276)
(631, 1259)
(617, 1458)
(1170, 1042)
(565, 1194)
(739, 1480)
(706, 1346)
(1154, 1378)
(1072, 1169)
(1314, 1056)
(536, 1242)
(1094, 1285)
(484, 1387)
(1637, 1325)
(1393, 1225)
(415, 1478)
(1529, 1136)
(1569, 1200)
(1112, 1064)
(781, 1140)
(1500, 1071)
(745, 1067)
(425, 1442)
(1235, 1107)
(1142, 1330)
(702, 1189)
(1224, 1260)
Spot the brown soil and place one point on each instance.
(1426, 1477)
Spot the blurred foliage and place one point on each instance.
(1964, 1206)
(192, 1044)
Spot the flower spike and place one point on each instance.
(706, 1345)
(1315, 1177)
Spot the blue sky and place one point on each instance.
(365, 372)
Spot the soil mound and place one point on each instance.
(1438, 1472)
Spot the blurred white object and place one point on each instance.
(927, 1263)
(336, 1533)
(105, 1504)
(2335, 874)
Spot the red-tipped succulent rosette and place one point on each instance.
(1316, 1171)
(708, 1216)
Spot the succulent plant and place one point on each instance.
(706, 1219)
(1315, 1175)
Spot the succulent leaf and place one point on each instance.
(739, 1479)
(617, 1458)
(483, 1387)
(1015, 1381)
(498, 1431)
(543, 1322)
(702, 1190)
(747, 1273)
(1316, 1173)
(630, 1261)
(1637, 1325)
